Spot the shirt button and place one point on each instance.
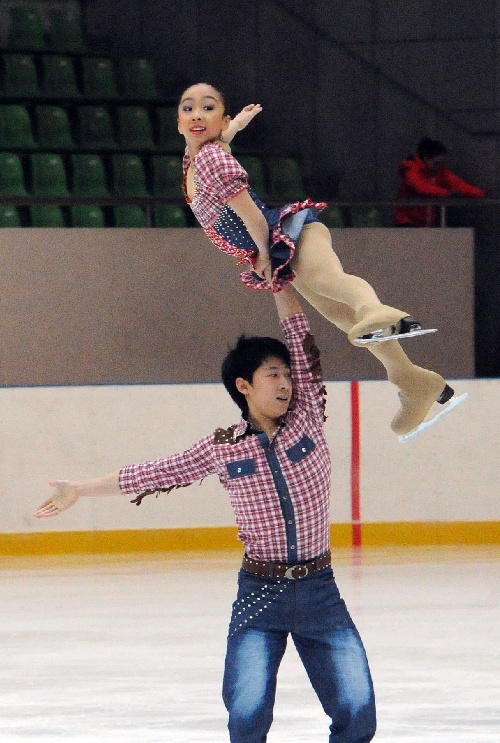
(304, 449)
(290, 521)
(292, 546)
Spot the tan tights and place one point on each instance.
(321, 280)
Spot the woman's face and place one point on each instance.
(434, 164)
(200, 115)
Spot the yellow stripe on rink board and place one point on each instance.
(422, 533)
(225, 538)
(130, 540)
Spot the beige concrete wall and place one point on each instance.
(139, 306)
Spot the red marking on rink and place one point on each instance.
(355, 466)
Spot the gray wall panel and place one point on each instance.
(346, 22)
(138, 306)
(464, 17)
(412, 19)
(465, 74)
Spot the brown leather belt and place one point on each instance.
(283, 570)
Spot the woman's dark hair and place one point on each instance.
(245, 358)
(221, 93)
(430, 148)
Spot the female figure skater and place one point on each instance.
(296, 246)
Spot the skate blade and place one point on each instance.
(453, 403)
(378, 337)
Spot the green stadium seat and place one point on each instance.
(285, 179)
(15, 128)
(137, 79)
(47, 215)
(53, 128)
(365, 216)
(88, 175)
(83, 215)
(95, 128)
(167, 134)
(256, 173)
(332, 216)
(48, 175)
(129, 177)
(65, 32)
(98, 78)
(26, 29)
(134, 128)
(11, 175)
(59, 76)
(9, 216)
(166, 175)
(169, 215)
(130, 215)
(20, 76)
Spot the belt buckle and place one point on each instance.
(289, 573)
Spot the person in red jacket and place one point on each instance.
(424, 174)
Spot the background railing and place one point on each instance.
(385, 206)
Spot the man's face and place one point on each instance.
(434, 164)
(269, 393)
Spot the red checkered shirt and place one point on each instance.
(218, 178)
(279, 489)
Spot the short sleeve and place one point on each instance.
(220, 172)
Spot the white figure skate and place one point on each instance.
(407, 327)
(448, 401)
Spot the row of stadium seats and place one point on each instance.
(59, 76)
(82, 127)
(86, 175)
(82, 215)
(57, 29)
(129, 174)
(70, 119)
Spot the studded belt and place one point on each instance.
(283, 570)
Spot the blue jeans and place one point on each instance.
(311, 610)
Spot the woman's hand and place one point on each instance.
(262, 266)
(245, 116)
(239, 122)
(65, 495)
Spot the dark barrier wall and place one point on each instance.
(141, 306)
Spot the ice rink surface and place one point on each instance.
(115, 649)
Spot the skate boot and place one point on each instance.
(418, 395)
(378, 323)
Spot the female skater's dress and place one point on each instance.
(218, 177)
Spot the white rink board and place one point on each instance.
(449, 474)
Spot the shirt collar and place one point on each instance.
(244, 428)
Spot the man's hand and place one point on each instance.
(65, 495)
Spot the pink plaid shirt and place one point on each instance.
(279, 489)
(218, 178)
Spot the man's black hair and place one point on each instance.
(245, 358)
(430, 148)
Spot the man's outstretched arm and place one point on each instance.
(67, 492)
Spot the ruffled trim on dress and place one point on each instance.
(281, 249)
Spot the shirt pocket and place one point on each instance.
(241, 468)
(301, 449)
